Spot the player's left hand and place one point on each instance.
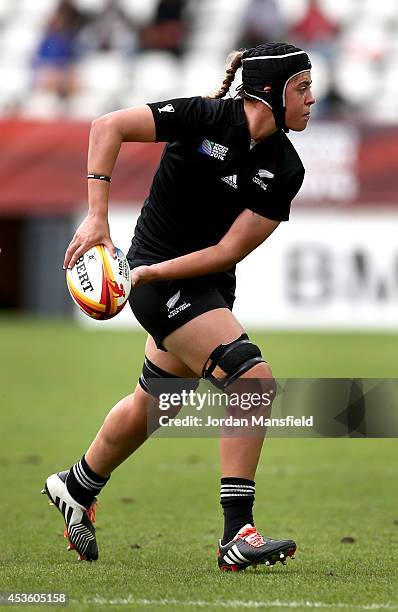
(141, 276)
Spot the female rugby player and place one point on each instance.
(225, 182)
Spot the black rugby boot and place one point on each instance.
(248, 547)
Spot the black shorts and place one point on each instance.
(163, 307)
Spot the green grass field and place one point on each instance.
(159, 517)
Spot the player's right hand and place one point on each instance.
(141, 276)
(92, 231)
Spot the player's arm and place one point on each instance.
(106, 137)
(247, 232)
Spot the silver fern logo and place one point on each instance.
(173, 300)
(172, 303)
(262, 174)
(265, 174)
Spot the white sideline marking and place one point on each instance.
(235, 603)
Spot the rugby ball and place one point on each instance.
(99, 284)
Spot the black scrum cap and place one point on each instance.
(272, 64)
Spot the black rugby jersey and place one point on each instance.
(209, 173)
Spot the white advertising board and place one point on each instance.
(322, 270)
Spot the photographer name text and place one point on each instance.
(230, 421)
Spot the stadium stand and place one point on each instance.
(363, 57)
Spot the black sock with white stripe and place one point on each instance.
(236, 498)
(83, 484)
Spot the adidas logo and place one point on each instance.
(169, 108)
(232, 181)
(235, 556)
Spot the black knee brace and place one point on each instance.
(152, 375)
(234, 358)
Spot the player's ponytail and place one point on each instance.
(234, 61)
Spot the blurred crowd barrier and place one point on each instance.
(43, 167)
